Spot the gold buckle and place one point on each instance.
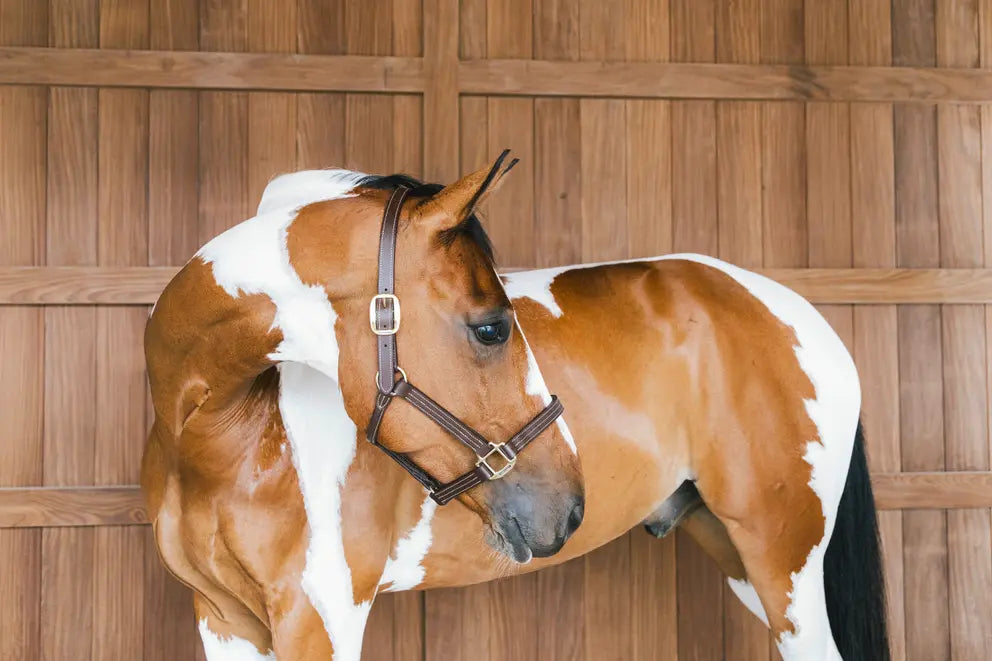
(496, 474)
(373, 308)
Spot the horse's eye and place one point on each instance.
(492, 333)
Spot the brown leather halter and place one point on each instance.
(384, 318)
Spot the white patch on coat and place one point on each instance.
(298, 189)
(834, 411)
(253, 258)
(746, 593)
(322, 438)
(229, 648)
(404, 570)
(535, 385)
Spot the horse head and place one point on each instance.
(456, 337)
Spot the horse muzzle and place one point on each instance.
(525, 525)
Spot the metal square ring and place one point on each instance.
(373, 309)
(496, 474)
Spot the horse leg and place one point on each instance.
(229, 637)
(685, 509)
(300, 633)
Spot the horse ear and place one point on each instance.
(456, 202)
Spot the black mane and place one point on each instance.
(470, 227)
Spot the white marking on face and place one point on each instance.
(229, 648)
(746, 593)
(404, 570)
(253, 258)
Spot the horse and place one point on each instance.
(697, 395)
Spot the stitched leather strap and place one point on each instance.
(385, 317)
(384, 313)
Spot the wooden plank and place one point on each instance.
(209, 70)
(272, 116)
(320, 131)
(169, 627)
(55, 285)
(963, 335)
(123, 505)
(22, 224)
(649, 164)
(441, 112)
(118, 586)
(876, 327)
(755, 82)
(355, 73)
(924, 532)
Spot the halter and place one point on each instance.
(384, 318)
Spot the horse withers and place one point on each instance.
(264, 377)
(699, 394)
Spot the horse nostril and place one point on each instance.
(575, 518)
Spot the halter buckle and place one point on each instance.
(496, 474)
(374, 309)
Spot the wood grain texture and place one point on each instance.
(755, 82)
(200, 70)
(969, 543)
(34, 507)
(920, 361)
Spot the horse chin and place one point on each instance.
(510, 545)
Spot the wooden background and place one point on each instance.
(841, 146)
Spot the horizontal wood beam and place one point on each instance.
(83, 285)
(92, 285)
(356, 73)
(951, 490)
(210, 70)
(724, 81)
(32, 507)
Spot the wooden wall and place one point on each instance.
(840, 146)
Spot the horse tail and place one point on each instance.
(854, 583)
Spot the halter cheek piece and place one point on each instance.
(384, 318)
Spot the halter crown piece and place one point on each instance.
(384, 318)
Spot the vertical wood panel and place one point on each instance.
(917, 240)
(828, 138)
(272, 116)
(783, 143)
(876, 327)
(223, 126)
(117, 589)
(965, 368)
(557, 143)
(22, 224)
(173, 199)
(694, 177)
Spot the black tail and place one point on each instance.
(852, 571)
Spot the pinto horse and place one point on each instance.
(700, 395)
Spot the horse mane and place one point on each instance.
(471, 227)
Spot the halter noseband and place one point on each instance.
(384, 318)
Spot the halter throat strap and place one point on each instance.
(385, 318)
